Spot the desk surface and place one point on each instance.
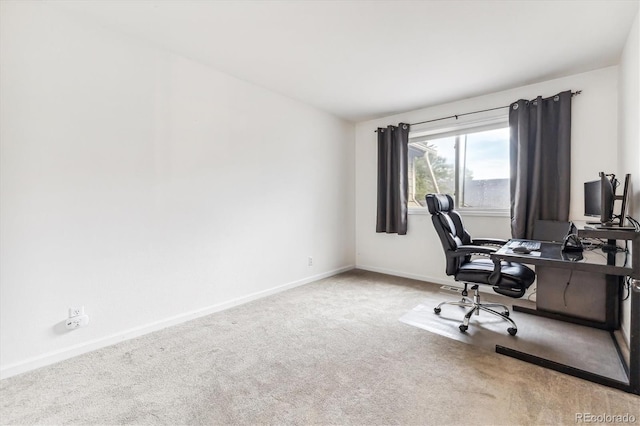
(551, 254)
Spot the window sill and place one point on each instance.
(467, 212)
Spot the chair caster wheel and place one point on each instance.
(437, 310)
(463, 328)
(512, 331)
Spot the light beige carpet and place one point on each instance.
(330, 352)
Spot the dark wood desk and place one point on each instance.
(594, 301)
(614, 265)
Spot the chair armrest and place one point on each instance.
(469, 250)
(489, 241)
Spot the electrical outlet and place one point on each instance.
(77, 322)
(74, 312)
(310, 261)
(77, 318)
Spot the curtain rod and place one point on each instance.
(577, 92)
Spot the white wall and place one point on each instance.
(419, 254)
(629, 137)
(149, 188)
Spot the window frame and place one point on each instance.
(488, 120)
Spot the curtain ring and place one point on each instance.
(556, 98)
(404, 127)
(515, 107)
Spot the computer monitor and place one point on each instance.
(592, 198)
(599, 196)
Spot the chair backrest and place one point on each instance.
(448, 225)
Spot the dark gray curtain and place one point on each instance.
(540, 156)
(393, 185)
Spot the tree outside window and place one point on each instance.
(473, 167)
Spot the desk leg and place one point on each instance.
(565, 369)
(634, 338)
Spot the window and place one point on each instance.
(469, 162)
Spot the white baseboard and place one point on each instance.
(434, 280)
(92, 345)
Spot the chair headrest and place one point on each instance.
(439, 203)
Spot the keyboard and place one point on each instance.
(531, 245)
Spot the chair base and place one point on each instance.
(476, 307)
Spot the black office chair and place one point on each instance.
(507, 278)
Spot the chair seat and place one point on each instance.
(477, 271)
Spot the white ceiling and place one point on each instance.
(366, 59)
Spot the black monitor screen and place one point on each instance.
(599, 196)
(592, 204)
